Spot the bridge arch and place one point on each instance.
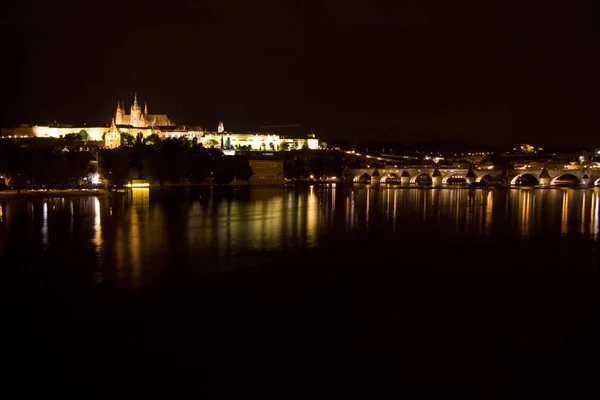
(484, 178)
(568, 179)
(392, 176)
(597, 182)
(421, 179)
(454, 177)
(526, 175)
(362, 178)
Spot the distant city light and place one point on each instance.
(95, 179)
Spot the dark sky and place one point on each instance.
(489, 71)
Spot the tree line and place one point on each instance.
(173, 160)
(70, 161)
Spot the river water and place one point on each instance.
(215, 290)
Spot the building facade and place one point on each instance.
(112, 138)
(138, 118)
(267, 168)
(138, 121)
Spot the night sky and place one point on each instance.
(485, 71)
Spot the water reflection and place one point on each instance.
(140, 233)
(44, 230)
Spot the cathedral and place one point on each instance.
(139, 119)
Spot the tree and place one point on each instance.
(212, 143)
(225, 170)
(153, 139)
(323, 145)
(272, 146)
(243, 171)
(127, 139)
(285, 146)
(83, 135)
(305, 145)
(114, 165)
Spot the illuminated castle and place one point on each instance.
(139, 119)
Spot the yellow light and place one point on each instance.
(134, 185)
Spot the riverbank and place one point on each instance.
(13, 194)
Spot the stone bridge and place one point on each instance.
(443, 176)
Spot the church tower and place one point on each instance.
(136, 113)
(119, 114)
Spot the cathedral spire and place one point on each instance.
(145, 108)
(135, 103)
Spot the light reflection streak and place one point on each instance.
(368, 207)
(594, 218)
(333, 201)
(45, 224)
(525, 204)
(595, 213)
(565, 213)
(312, 213)
(583, 214)
(352, 215)
(387, 209)
(135, 249)
(97, 223)
(395, 209)
(488, 213)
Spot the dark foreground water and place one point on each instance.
(432, 292)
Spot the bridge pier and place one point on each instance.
(405, 178)
(436, 178)
(545, 178)
(585, 180)
(470, 177)
(375, 179)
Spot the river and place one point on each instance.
(193, 289)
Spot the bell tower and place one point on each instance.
(136, 113)
(119, 115)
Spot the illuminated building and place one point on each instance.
(112, 138)
(140, 122)
(139, 119)
(267, 168)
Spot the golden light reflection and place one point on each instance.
(489, 207)
(312, 216)
(525, 202)
(140, 198)
(1, 213)
(290, 216)
(387, 204)
(333, 201)
(368, 207)
(595, 211)
(97, 223)
(565, 213)
(135, 249)
(395, 209)
(583, 214)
